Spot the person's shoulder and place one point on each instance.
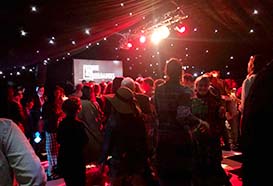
(252, 78)
(7, 125)
(4, 122)
(63, 123)
(249, 78)
(161, 87)
(79, 123)
(141, 95)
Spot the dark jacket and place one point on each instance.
(72, 138)
(125, 141)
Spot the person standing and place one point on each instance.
(71, 137)
(52, 115)
(39, 99)
(174, 158)
(90, 115)
(125, 141)
(256, 136)
(255, 64)
(15, 108)
(208, 152)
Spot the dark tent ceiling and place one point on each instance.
(55, 28)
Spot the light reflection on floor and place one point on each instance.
(227, 164)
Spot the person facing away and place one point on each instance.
(17, 158)
(125, 141)
(147, 109)
(90, 116)
(174, 147)
(72, 137)
(188, 81)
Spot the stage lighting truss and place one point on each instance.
(169, 20)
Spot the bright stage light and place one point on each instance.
(156, 38)
(87, 31)
(165, 32)
(159, 34)
(180, 29)
(142, 39)
(129, 45)
(33, 9)
(23, 33)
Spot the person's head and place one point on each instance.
(188, 80)
(124, 101)
(116, 84)
(255, 64)
(103, 86)
(86, 92)
(40, 90)
(72, 106)
(129, 83)
(84, 82)
(215, 74)
(97, 89)
(58, 92)
(91, 82)
(202, 85)
(139, 79)
(28, 103)
(173, 69)
(79, 87)
(108, 88)
(230, 84)
(138, 88)
(18, 94)
(148, 84)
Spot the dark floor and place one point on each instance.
(231, 163)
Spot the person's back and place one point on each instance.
(167, 96)
(129, 142)
(72, 138)
(17, 157)
(174, 150)
(90, 117)
(125, 140)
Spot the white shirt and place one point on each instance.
(18, 158)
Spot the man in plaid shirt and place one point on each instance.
(175, 121)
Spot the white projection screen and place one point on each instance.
(96, 70)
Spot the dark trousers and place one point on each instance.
(74, 178)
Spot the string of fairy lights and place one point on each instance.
(151, 32)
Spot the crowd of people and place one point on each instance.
(146, 131)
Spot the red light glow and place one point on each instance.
(180, 29)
